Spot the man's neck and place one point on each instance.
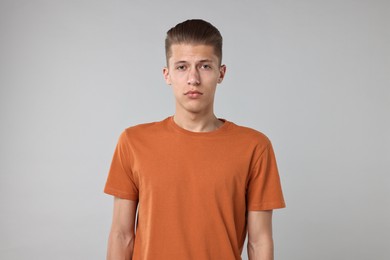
(197, 122)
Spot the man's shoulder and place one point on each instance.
(248, 132)
(145, 128)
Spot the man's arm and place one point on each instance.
(121, 239)
(260, 242)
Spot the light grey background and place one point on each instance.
(312, 75)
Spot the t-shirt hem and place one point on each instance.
(267, 206)
(120, 194)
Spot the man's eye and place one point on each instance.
(206, 66)
(181, 67)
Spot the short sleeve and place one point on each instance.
(264, 191)
(121, 182)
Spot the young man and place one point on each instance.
(200, 182)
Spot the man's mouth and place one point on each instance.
(193, 93)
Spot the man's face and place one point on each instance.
(193, 72)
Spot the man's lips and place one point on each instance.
(193, 93)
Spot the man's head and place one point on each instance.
(194, 32)
(194, 53)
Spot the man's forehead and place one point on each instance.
(192, 51)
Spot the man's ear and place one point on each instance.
(166, 75)
(222, 72)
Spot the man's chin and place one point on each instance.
(194, 108)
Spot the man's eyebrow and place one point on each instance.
(201, 61)
(206, 60)
(180, 62)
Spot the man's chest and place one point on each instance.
(197, 167)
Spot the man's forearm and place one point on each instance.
(120, 246)
(264, 251)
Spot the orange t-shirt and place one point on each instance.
(194, 188)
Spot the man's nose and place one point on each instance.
(193, 77)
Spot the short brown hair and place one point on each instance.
(195, 31)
